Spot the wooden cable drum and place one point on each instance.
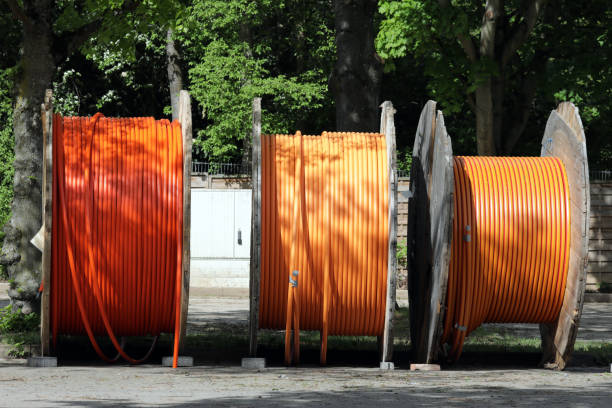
(324, 235)
(118, 264)
(497, 239)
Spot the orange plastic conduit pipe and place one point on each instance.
(324, 214)
(510, 247)
(117, 236)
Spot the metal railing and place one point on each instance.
(403, 173)
(600, 175)
(236, 169)
(226, 169)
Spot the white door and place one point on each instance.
(220, 238)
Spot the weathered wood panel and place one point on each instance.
(255, 273)
(441, 209)
(47, 211)
(387, 127)
(418, 241)
(564, 138)
(187, 136)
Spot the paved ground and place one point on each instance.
(513, 384)
(281, 387)
(596, 321)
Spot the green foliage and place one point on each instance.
(402, 253)
(18, 330)
(14, 322)
(239, 49)
(6, 154)
(404, 160)
(604, 287)
(572, 38)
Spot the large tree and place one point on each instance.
(356, 78)
(488, 54)
(52, 31)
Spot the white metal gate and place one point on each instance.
(220, 238)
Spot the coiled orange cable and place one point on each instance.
(117, 236)
(338, 181)
(510, 247)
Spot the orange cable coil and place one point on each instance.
(117, 228)
(510, 246)
(325, 214)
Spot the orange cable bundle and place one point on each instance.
(117, 236)
(325, 216)
(510, 246)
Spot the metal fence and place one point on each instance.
(225, 169)
(238, 169)
(600, 175)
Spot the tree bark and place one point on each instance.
(175, 76)
(485, 140)
(356, 79)
(37, 65)
(244, 34)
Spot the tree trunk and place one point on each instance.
(245, 37)
(485, 112)
(36, 74)
(356, 79)
(484, 120)
(175, 76)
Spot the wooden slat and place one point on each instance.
(47, 200)
(600, 256)
(187, 135)
(601, 200)
(601, 211)
(255, 272)
(599, 267)
(600, 244)
(601, 189)
(600, 233)
(387, 127)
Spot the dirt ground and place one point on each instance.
(478, 380)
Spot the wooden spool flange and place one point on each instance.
(564, 138)
(47, 198)
(430, 213)
(430, 217)
(387, 128)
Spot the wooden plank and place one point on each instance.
(564, 138)
(47, 210)
(601, 210)
(601, 189)
(600, 233)
(601, 200)
(418, 240)
(441, 210)
(599, 267)
(601, 256)
(187, 135)
(605, 277)
(255, 272)
(600, 244)
(387, 127)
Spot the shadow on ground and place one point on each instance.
(399, 397)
